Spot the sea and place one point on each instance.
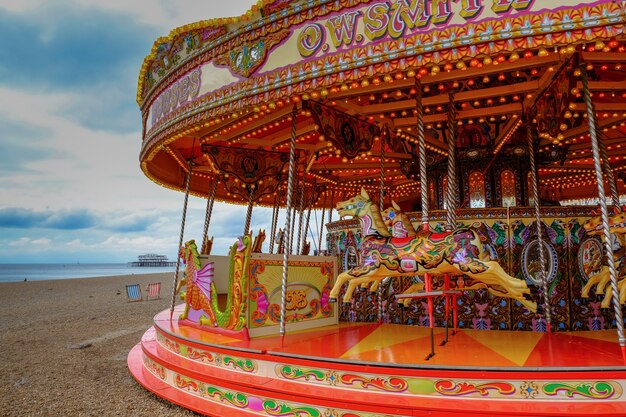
(40, 272)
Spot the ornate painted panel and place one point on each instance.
(306, 298)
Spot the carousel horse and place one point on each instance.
(306, 248)
(280, 241)
(602, 278)
(201, 294)
(207, 246)
(457, 252)
(257, 244)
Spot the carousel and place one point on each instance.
(466, 161)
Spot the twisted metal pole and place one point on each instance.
(292, 156)
(382, 172)
(306, 226)
(246, 228)
(595, 147)
(379, 297)
(322, 222)
(421, 146)
(274, 223)
(209, 211)
(332, 206)
(608, 172)
(180, 240)
(293, 230)
(301, 217)
(542, 256)
(452, 180)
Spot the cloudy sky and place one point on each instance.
(71, 189)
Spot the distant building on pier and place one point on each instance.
(152, 259)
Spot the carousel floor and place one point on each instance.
(365, 369)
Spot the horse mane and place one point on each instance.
(306, 248)
(207, 245)
(407, 223)
(377, 220)
(193, 252)
(257, 244)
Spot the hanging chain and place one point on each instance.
(591, 120)
(180, 241)
(542, 255)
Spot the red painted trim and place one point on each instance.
(430, 371)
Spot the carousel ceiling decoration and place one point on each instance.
(504, 68)
(256, 172)
(348, 133)
(550, 107)
(394, 142)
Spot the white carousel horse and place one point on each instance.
(280, 241)
(457, 252)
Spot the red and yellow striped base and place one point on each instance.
(369, 370)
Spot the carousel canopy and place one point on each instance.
(224, 97)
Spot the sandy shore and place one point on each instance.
(64, 344)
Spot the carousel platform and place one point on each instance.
(367, 369)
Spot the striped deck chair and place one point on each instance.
(154, 291)
(133, 291)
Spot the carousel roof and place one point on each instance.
(225, 96)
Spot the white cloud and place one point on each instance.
(78, 167)
(171, 14)
(165, 15)
(41, 242)
(137, 244)
(23, 241)
(24, 6)
(85, 168)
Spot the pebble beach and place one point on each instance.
(64, 344)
